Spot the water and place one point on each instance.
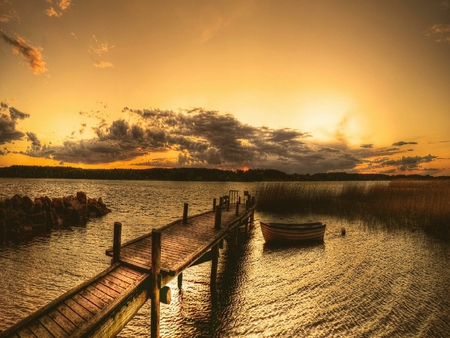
(370, 283)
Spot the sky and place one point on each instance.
(301, 86)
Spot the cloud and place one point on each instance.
(367, 146)
(97, 51)
(102, 64)
(9, 116)
(439, 32)
(402, 143)
(63, 6)
(205, 138)
(10, 16)
(51, 12)
(445, 5)
(32, 54)
(408, 163)
(35, 143)
(201, 138)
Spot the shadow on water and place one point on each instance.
(280, 246)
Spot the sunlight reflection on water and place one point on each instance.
(365, 284)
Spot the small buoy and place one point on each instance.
(343, 231)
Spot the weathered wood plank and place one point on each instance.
(93, 299)
(106, 289)
(114, 283)
(62, 321)
(112, 318)
(82, 306)
(53, 328)
(72, 316)
(123, 276)
(105, 298)
(39, 330)
(25, 332)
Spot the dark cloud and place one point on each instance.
(202, 138)
(9, 117)
(402, 143)
(408, 163)
(32, 54)
(367, 146)
(35, 143)
(205, 138)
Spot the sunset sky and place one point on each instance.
(300, 86)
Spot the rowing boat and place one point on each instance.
(296, 232)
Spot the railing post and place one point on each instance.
(214, 204)
(185, 213)
(228, 203)
(221, 202)
(218, 218)
(155, 291)
(117, 241)
(237, 208)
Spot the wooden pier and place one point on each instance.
(140, 269)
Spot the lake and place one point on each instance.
(369, 283)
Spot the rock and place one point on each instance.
(81, 197)
(21, 216)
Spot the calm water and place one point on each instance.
(366, 284)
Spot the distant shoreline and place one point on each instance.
(195, 174)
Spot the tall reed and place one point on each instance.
(401, 203)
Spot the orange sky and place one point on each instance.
(299, 86)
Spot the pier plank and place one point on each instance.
(114, 284)
(71, 315)
(25, 332)
(93, 298)
(52, 327)
(82, 306)
(62, 321)
(39, 330)
(106, 289)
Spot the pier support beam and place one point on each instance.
(117, 242)
(185, 213)
(155, 287)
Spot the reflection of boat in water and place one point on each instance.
(296, 232)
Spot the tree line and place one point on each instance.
(192, 174)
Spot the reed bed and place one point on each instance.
(416, 205)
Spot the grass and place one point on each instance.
(414, 204)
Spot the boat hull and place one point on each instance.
(308, 232)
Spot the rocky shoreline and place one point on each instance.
(21, 217)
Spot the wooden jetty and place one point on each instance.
(140, 270)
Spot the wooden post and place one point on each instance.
(117, 242)
(218, 218)
(237, 208)
(155, 291)
(185, 213)
(214, 204)
(228, 203)
(214, 265)
(221, 202)
(180, 280)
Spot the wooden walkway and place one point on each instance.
(103, 305)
